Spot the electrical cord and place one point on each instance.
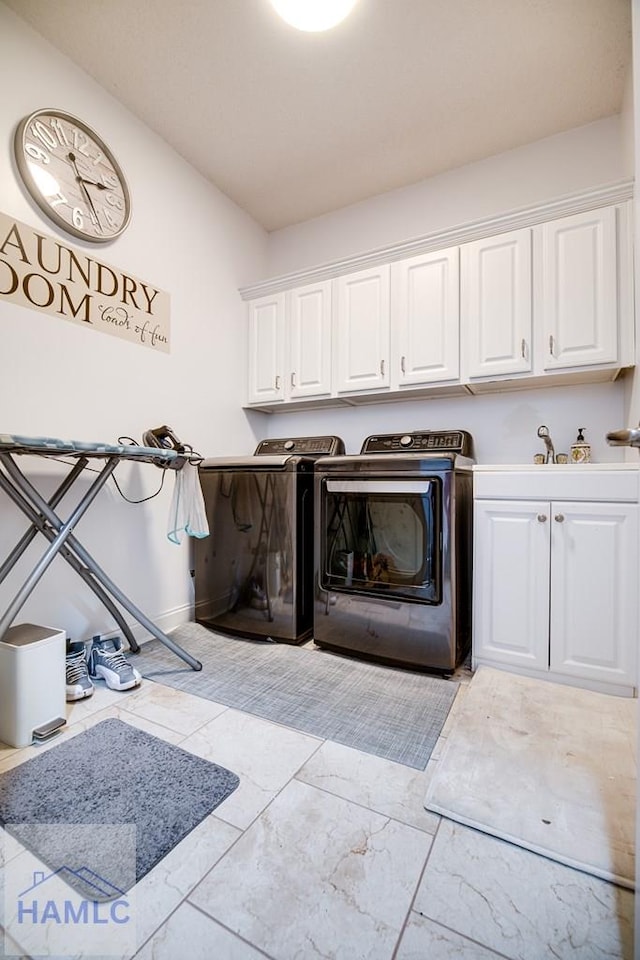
(144, 499)
(190, 456)
(70, 463)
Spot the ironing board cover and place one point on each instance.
(53, 446)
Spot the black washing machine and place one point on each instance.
(254, 573)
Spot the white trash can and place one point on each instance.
(32, 683)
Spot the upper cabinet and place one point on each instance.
(266, 349)
(425, 311)
(309, 333)
(551, 299)
(290, 345)
(497, 304)
(579, 289)
(361, 328)
(528, 306)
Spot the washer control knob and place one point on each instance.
(406, 440)
(289, 444)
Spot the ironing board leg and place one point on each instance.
(39, 524)
(64, 534)
(28, 536)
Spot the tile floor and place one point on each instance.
(326, 852)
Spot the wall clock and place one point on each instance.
(72, 175)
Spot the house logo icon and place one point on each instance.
(105, 903)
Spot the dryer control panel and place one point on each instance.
(423, 441)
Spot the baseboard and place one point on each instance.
(166, 622)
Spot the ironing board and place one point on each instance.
(59, 533)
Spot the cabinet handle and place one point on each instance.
(523, 348)
(551, 345)
(293, 379)
(382, 368)
(542, 518)
(401, 364)
(559, 518)
(277, 381)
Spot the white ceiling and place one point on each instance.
(293, 125)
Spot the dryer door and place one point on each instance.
(382, 537)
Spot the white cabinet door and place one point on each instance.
(266, 349)
(426, 312)
(309, 331)
(361, 330)
(497, 304)
(579, 307)
(511, 582)
(594, 590)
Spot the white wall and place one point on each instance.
(568, 163)
(504, 425)
(60, 379)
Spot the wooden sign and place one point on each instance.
(41, 273)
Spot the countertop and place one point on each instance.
(554, 467)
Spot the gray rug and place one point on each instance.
(143, 795)
(392, 713)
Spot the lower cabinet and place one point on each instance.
(555, 589)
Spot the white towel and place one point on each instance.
(187, 513)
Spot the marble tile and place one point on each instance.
(205, 938)
(423, 939)
(381, 785)
(35, 913)
(140, 722)
(438, 750)
(172, 708)
(317, 876)
(264, 755)
(165, 887)
(149, 903)
(549, 766)
(102, 697)
(456, 707)
(9, 948)
(518, 903)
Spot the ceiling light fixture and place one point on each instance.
(313, 15)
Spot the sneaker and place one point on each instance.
(107, 662)
(79, 685)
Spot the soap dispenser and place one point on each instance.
(580, 450)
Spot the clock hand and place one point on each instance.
(92, 183)
(94, 212)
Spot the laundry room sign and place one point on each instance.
(41, 273)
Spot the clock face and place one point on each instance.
(72, 175)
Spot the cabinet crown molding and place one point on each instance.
(567, 205)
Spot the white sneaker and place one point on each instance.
(79, 685)
(107, 662)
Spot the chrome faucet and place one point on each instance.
(543, 432)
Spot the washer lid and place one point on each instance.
(262, 463)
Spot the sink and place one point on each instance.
(557, 481)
